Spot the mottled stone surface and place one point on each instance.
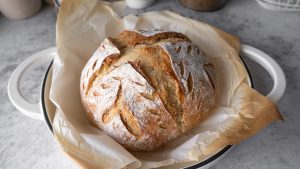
(27, 143)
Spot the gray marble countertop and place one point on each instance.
(27, 144)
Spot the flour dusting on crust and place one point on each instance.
(124, 97)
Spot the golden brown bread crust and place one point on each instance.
(146, 88)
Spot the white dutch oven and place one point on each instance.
(44, 109)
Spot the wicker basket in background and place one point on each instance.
(280, 5)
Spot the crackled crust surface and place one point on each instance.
(144, 88)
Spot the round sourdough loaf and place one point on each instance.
(144, 88)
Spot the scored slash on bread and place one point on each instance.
(144, 88)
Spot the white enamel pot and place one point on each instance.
(44, 109)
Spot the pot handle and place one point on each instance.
(272, 67)
(31, 110)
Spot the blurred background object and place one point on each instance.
(137, 4)
(20, 9)
(280, 5)
(203, 5)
